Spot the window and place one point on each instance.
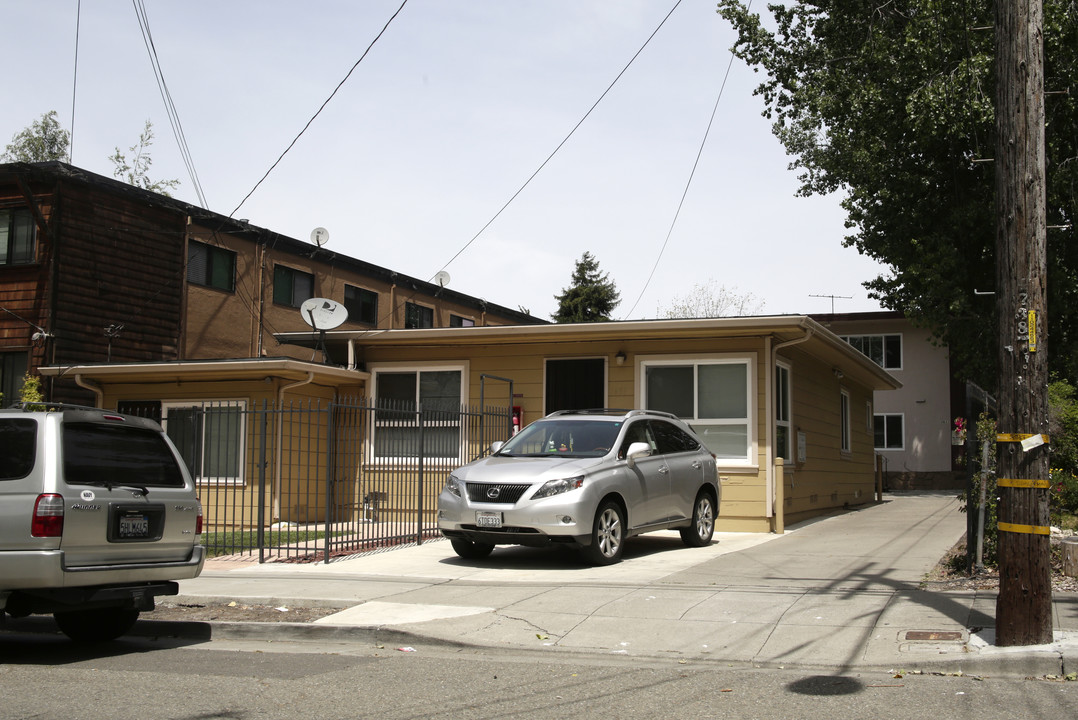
(418, 316)
(884, 350)
(401, 431)
(844, 420)
(575, 384)
(459, 321)
(889, 431)
(362, 305)
(17, 237)
(210, 438)
(110, 455)
(783, 432)
(18, 437)
(713, 396)
(291, 287)
(211, 266)
(13, 366)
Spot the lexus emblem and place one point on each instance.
(493, 493)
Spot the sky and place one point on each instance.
(458, 103)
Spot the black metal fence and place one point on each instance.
(309, 482)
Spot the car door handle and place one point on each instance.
(664, 469)
(696, 464)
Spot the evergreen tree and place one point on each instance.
(591, 297)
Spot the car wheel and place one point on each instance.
(97, 625)
(607, 535)
(702, 529)
(471, 550)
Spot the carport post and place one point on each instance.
(779, 520)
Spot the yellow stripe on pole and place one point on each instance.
(1025, 529)
(1024, 483)
(1018, 437)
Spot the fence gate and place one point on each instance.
(307, 482)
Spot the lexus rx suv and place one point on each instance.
(98, 516)
(588, 479)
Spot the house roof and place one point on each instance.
(210, 371)
(817, 339)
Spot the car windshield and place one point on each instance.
(564, 438)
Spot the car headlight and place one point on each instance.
(559, 486)
(453, 486)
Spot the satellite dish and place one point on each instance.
(323, 314)
(441, 278)
(320, 236)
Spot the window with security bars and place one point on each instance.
(418, 413)
(210, 438)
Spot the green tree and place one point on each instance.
(705, 300)
(892, 104)
(591, 297)
(136, 170)
(41, 141)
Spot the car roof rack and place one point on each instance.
(40, 405)
(616, 412)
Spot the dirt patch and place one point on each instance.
(945, 576)
(226, 611)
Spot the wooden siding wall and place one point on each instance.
(24, 288)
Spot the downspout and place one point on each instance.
(92, 387)
(280, 433)
(772, 511)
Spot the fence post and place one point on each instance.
(331, 472)
(262, 433)
(419, 477)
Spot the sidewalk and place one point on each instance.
(838, 594)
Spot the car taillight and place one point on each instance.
(48, 518)
(198, 520)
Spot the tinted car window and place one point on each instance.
(671, 438)
(578, 438)
(118, 455)
(18, 438)
(637, 432)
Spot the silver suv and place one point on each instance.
(98, 515)
(589, 479)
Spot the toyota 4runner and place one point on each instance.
(98, 516)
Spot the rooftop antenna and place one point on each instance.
(319, 236)
(441, 279)
(833, 298)
(323, 314)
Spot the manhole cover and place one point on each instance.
(934, 635)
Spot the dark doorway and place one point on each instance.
(575, 384)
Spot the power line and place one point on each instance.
(688, 183)
(562, 143)
(320, 109)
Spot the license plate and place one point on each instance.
(134, 526)
(488, 519)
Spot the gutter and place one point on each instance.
(277, 455)
(773, 511)
(93, 387)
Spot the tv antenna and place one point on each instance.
(319, 236)
(833, 298)
(323, 314)
(441, 279)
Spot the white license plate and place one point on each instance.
(134, 526)
(485, 519)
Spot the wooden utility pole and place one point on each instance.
(1024, 605)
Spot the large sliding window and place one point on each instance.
(418, 412)
(713, 396)
(210, 437)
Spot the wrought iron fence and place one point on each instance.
(310, 481)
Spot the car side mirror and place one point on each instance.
(496, 446)
(637, 450)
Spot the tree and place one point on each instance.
(41, 141)
(136, 171)
(708, 301)
(591, 297)
(892, 104)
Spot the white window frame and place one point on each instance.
(240, 403)
(902, 445)
(788, 454)
(883, 349)
(749, 361)
(372, 386)
(845, 444)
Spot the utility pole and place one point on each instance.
(1024, 605)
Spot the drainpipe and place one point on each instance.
(92, 387)
(773, 511)
(280, 434)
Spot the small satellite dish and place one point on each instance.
(323, 314)
(320, 236)
(441, 278)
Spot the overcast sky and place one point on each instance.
(452, 110)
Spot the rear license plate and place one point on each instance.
(485, 519)
(133, 527)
